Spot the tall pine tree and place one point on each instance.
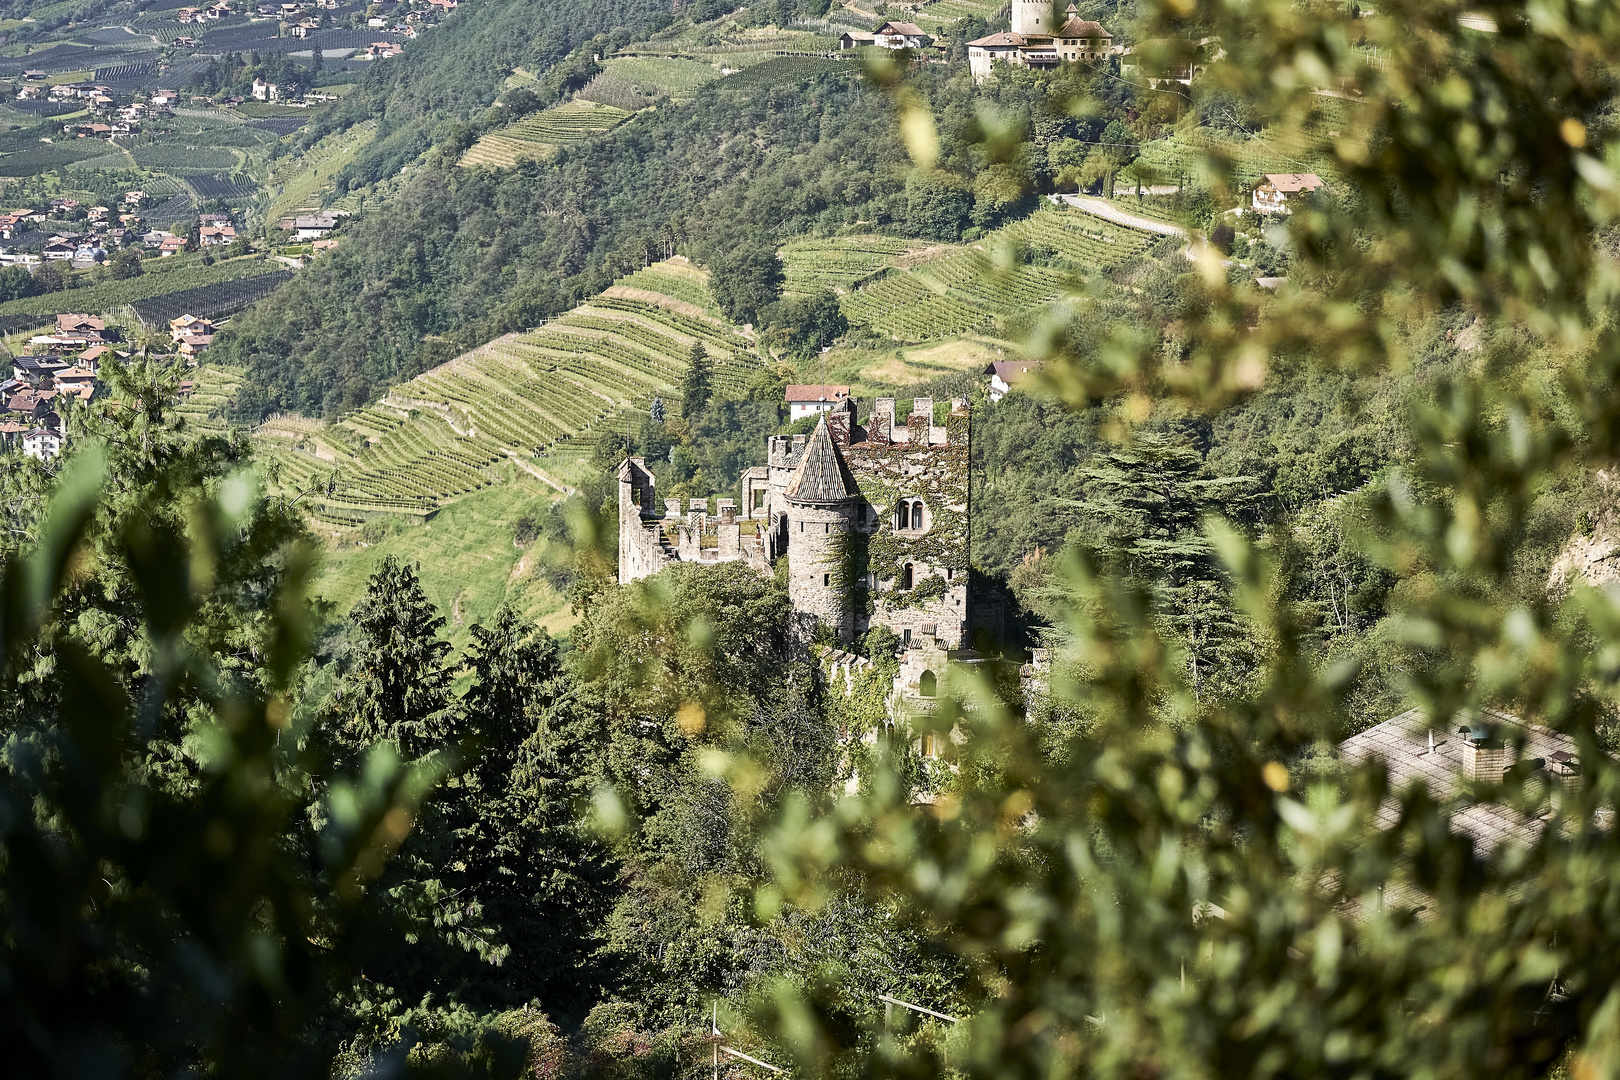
(697, 383)
(398, 685)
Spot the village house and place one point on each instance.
(171, 245)
(1276, 190)
(216, 235)
(194, 345)
(382, 50)
(803, 400)
(854, 39)
(31, 93)
(11, 433)
(313, 227)
(59, 249)
(901, 35)
(35, 75)
(134, 198)
(190, 326)
(1006, 375)
(42, 443)
(1034, 43)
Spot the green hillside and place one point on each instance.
(915, 292)
(520, 402)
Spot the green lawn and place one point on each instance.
(469, 563)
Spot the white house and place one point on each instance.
(1275, 190)
(41, 444)
(1006, 375)
(805, 400)
(901, 35)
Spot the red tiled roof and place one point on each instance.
(800, 392)
(1289, 183)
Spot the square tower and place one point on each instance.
(1037, 17)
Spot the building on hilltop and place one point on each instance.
(1034, 43)
(805, 400)
(873, 522)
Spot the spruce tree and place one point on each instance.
(697, 383)
(398, 686)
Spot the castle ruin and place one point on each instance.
(873, 522)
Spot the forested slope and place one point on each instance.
(467, 254)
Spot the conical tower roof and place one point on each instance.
(822, 476)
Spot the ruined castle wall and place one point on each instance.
(641, 552)
(932, 466)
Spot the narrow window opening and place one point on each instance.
(916, 515)
(928, 684)
(905, 639)
(905, 578)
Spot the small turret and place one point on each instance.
(822, 498)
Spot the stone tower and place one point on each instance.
(1032, 17)
(822, 501)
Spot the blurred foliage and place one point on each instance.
(1170, 883)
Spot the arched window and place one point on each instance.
(916, 514)
(905, 578)
(928, 684)
(902, 514)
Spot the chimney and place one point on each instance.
(728, 511)
(672, 508)
(1484, 756)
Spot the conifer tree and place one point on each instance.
(398, 685)
(697, 383)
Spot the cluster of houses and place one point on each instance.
(107, 231)
(63, 366)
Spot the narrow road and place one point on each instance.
(1109, 212)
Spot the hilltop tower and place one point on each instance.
(822, 500)
(1032, 17)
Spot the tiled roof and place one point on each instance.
(1292, 182)
(802, 392)
(1402, 743)
(1010, 371)
(903, 28)
(822, 476)
(1005, 39)
(1076, 28)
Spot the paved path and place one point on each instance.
(1109, 212)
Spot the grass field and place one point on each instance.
(468, 562)
(873, 371)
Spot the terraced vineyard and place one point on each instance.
(525, 396)
(206, 407)
(838, 263)
(499, 152)
(964, 291)
(566, 124)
